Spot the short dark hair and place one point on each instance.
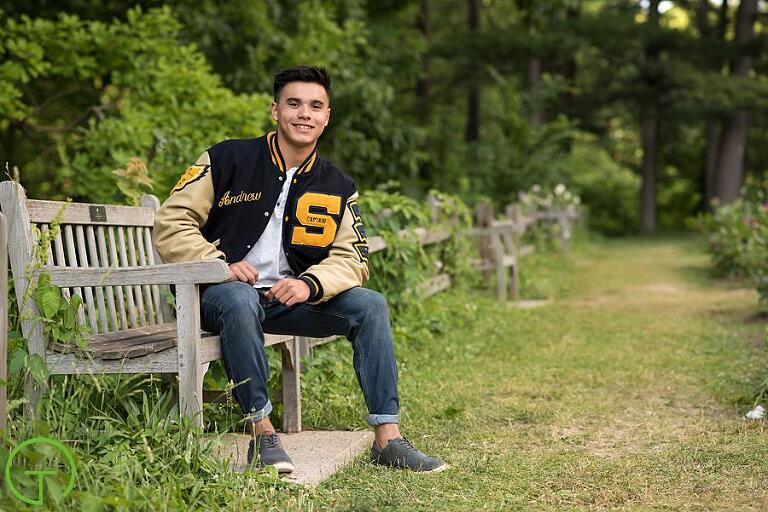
(302, 73)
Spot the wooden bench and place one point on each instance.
(105, 254)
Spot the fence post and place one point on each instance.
(484, 220)
(3, 321)
(434, 207)
(513, 213)
(564, 219)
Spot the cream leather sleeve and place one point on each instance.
(179, 220)
(347, 263)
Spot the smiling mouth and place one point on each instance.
(303, 127)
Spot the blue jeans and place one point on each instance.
(241, 315)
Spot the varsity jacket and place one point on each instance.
(222, 204)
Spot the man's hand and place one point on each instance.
(289, 291)
(243, 271)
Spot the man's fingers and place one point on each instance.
(251, 271)
(244, 271)
(275, 288)
(236, 274)
(283, 294)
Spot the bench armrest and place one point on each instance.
(189, 272)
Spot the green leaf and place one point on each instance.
(75, 302)
(37, 368)
(17, 362)
(48, 300)
(80, 341)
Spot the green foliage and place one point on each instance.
(404, 263)
(738, 237)
(134, 180)
(114, 91)
(609, 189)
(59, 313)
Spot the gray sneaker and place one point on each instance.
(271, 453)
(400, 453)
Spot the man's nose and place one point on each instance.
(304, 111)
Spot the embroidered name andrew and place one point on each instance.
(228, 199)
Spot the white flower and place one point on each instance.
(536, 189)
(559, 189)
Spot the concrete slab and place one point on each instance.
(316, 454)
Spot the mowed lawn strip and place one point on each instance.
(626, 393)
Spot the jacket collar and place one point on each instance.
(279, 162)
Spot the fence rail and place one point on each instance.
(501, 247)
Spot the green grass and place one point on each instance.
(626, 393)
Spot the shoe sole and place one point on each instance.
(283, 467)
(438, 469)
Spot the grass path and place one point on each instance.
(626, 393)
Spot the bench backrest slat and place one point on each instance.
(103, 254)
(86, 213)
(119, 292)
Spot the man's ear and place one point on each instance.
(274, 111)
(328, 118)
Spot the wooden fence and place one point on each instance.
(500, 242)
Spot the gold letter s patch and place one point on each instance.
(323, 222)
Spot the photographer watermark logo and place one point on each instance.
(51, 458)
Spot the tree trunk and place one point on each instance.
(472, 132)
(649, 134)
(567, 99)
(730, 175)
(649, 129)
(713, 125)
(710, 166)
(424, 85)
(534, 78)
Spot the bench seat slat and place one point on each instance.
(141, 341)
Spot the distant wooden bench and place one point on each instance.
(105, 254)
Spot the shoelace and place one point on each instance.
(409, 444)
(268, 440)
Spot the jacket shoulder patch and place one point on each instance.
(361, 245)
(192, 174)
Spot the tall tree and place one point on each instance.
(649, 128)
(567, 98)
(713, 123)
(472, 132)
(730, 174)
(424, 85)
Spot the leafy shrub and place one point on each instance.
(404, 264)
(610, 190)
(737, 236)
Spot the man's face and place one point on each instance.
(302, 113)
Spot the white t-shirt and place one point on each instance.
(267, 255)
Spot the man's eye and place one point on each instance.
(293, 103)
(317, 107)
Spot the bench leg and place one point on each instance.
(33, 392)
(291, 385)
(190, 369)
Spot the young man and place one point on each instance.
(287, 222)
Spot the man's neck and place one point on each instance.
(293, 155)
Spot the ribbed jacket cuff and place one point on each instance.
(315, 288)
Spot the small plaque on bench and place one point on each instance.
(98, 213)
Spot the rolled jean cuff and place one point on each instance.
(380, 419)
(255, 415)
